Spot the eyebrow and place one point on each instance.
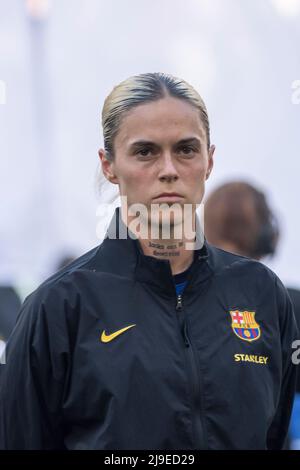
(188, 140)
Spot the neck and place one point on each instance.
(172, 249)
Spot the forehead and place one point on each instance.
(162, 120)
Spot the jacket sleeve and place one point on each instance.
(289, 332)
(32, 377)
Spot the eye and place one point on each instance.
(144, 153)
(187, 150)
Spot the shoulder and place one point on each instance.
(60, 292)
(230, 264)
(252, 279)
(85, 262)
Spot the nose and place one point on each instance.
(168, 171)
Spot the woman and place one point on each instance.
(143, 342)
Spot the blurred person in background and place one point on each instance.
(10, 304)
(64, 261)
(239, 219)
(145, 342)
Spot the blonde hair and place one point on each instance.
(141, 89)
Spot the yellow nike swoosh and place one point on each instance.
(106, 338)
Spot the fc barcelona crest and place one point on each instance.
(244, 325)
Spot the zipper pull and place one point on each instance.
(185, 335)
(179, 302)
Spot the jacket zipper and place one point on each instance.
(184, 330)
(197, 409)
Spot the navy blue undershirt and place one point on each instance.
(180, 281)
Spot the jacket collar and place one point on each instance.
(121, 254)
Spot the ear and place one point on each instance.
(210, 161)
(107, 167)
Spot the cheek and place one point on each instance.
(137, 179)
(196, 173)
(195, 181)
(136, 182)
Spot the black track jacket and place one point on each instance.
(105, 356)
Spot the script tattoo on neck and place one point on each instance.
(165, 247)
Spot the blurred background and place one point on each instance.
(58, 61)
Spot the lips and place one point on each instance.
(168, 198)
(168, 195)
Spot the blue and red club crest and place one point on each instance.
(244, 325)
